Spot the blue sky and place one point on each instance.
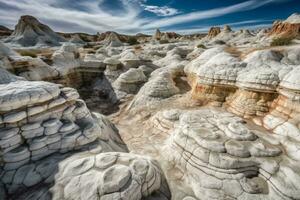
(133, 16)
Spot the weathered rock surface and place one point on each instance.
(110, 176)
(224, 157)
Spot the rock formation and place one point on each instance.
(158, 35)
(30, 32)
(111, 39)
(288, 28)
(213, 32)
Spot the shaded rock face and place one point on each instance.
(30, 32)
(213, 32)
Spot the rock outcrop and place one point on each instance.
(213, 32)
(289, 28)
(30, 32)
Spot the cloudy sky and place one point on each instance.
(133, 16)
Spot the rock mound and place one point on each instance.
(30, 32)
(111, 39)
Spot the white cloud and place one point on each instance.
(161, 11)
(93, 20)
(206, 14)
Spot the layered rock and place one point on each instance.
(26, 66)
(160, 86)
(283, 118)
(30, 32)
(247, 87)
(214, 81)
(44, 123)
(130, 81)
(223, 157)
(173, 57)
(40, 119)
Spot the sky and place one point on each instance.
(136, 16)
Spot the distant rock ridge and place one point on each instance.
(4, 31)
(30, 32)
(165, 36)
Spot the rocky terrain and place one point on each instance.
(170, 116)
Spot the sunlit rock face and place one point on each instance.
(246, 87)
(287, 28)
(213, 32)
(225, 157)
(213, 77)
